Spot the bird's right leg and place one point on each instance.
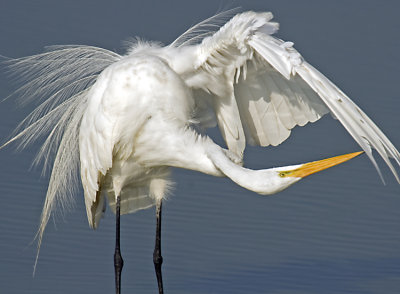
(118, 261)
(157, 258)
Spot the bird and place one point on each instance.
(117, 124)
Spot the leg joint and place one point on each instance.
(118, 261)
(157, 258)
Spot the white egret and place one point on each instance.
(124, 120)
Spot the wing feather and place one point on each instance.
(95, 149)
(273, 106)
(270, 116)
(276, 89)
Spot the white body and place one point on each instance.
(136, 126)
(139, 112)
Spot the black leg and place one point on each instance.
(157, 258)
(118, 261)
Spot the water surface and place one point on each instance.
(335, 232)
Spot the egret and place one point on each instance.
(122, 121)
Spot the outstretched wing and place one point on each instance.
(274, 89)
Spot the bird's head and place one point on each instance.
(280, 178)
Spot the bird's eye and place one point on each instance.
(284, 174)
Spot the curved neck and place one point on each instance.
(265, 181)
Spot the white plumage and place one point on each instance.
(124, 120)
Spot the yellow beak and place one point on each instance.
(316, 166)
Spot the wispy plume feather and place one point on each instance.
(205, 28)
(57, 81)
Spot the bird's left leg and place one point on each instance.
(118, 261)
(157, 258)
